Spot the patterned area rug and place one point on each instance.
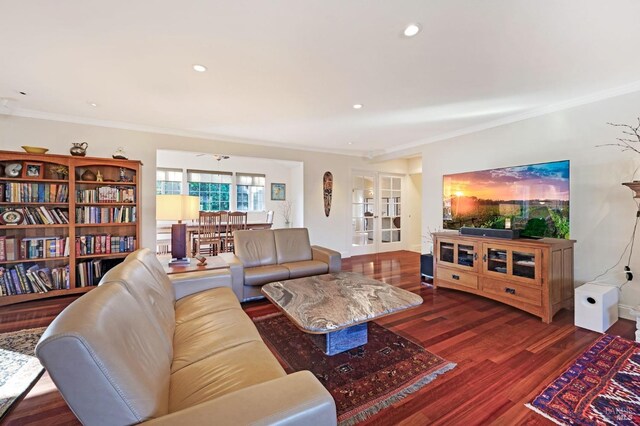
(363, 380)
(602, 387)
(19, 368)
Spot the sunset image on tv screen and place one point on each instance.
(532, 198)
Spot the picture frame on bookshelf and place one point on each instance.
(32, 170)
(11, 217)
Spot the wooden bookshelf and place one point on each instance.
(118, 175)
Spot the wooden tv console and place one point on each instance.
(535, 276)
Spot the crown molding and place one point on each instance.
(536, 112)
(42, 115)
(400, 151)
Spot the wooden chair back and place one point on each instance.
(235, 221)
(209, 239)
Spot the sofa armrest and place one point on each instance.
(296, 399)
(188, 283)
(328, 256)
(237, 273)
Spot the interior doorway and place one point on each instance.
(376, 212)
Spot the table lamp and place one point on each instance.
(178, 207)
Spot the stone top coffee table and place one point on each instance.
(334, 308)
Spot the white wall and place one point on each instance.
(602, 211)
(413, 210)
(333, 231)
(278, 171)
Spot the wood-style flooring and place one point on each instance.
(504, 356)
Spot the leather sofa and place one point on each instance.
(264, 256)
(128, 352)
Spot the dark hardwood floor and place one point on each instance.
(504, 356)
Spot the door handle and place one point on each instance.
(455, 277)
(375, 217)
(475, 256)
(510, 290)
(484, 258)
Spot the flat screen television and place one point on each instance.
(532, 198)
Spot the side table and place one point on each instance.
(190, 279)
(213, 262)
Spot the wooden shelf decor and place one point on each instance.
(41, 256)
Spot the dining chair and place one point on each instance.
(209, 241)
(235, 221)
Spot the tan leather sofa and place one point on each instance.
(129, 352)
(264, 256)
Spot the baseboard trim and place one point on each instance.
(624, 311)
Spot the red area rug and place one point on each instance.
(363, 380)
(602, 387)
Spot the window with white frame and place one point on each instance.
(168, 181)
(250, 192)
(213, 188)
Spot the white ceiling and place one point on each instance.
(286, 72)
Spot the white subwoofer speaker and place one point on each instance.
(596, 306)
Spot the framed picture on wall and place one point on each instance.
(278, 191)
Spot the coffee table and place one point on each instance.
(334, 308)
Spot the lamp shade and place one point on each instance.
(177, 207)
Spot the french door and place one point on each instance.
(376, 212)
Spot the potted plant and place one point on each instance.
(59, 171)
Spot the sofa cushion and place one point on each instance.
(292, 245)
(255, 247)
(152, 296)
(306, 268)
(107, 359)
(261, 275)
(150, 261)
(209, 334)
(205, 302)
(222, 373)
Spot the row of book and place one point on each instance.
(93, 214)
(43, 247)
(89, 273)
(106, 194)
(12, 248)
(23, 280)
(104, 244)
(42, 215)
(24, 192)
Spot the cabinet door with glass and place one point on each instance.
(458, 254)
(520, 264)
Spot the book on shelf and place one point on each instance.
(28, 192)
(8, 248)
(95, 214)
(106, 194)
(20, 279)
(104, 244)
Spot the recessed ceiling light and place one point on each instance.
(349, 143)
(411, 30)
(357, 106)
(199, 68)
(93, 104)
(23, 93)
